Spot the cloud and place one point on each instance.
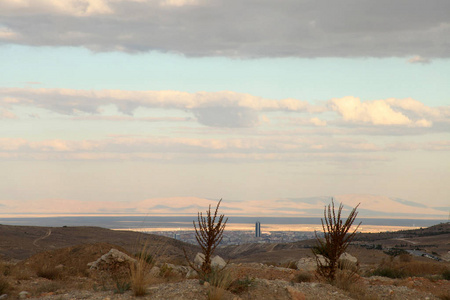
(6, 114)
(229, 109)
(227, 117)
(76, 8)
(7, 34)
(271, 148)
(379, 112)
(217, 109)
(418, 60)
(235, 28)
(370, 206)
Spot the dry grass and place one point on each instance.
(303, 276)
(220, 281)
(402, 268)
(140, 271)
(48, 272)
(4, 285)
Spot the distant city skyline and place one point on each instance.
(107, 105)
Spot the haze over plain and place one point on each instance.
(151, 106)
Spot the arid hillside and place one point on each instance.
(81, 263)
(20, 242)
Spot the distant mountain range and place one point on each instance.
(370, 206)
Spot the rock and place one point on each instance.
(199, 259)
(218, 261)
(113, 256)
(24, 295)
(4, 296)
(295, 294)
(347, 261)
(191, 274)
(154, 272)
(306, 264)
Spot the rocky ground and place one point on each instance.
(68, 263)
(75, 279)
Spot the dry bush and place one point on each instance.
(22, 273)
(405, 257)
(444, 296)
(208, 234)
(48, 287)
(421, 268)
(140, 271)
(446, 274)
(5, 268)
(48, 272)
(241, 285)
(139, 277)
(348, 279)
(4, 285)
(336, 239)
(401, 269)
(219, 280)
(303, 276)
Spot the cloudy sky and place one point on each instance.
(105, 104)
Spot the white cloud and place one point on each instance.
(376, 112)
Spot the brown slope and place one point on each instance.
(20, 242)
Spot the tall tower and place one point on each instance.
(258, 229)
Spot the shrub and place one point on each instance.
(446, 274)
(239, 286)
(4, 285)
(139, 272)
(122, 287)
(219, 280)
(49, 287)
(389, 271)
(303, 277)
(336, 239)
(165, 270)
(208, 234)
(48, 272)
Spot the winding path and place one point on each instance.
(49, 232)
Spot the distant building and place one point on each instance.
(258, 229)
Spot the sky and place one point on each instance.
(164, 106)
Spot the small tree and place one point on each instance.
(336, 239)
(208, 234)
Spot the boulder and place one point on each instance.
(306, 264)
(199, 259)
(112, 257)
(347, 261)
(216, 261)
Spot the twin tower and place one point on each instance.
(257, 229)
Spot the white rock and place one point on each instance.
(24, 295)
(112, 256)
(306, 264)
(218, 261)
(199, 259)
